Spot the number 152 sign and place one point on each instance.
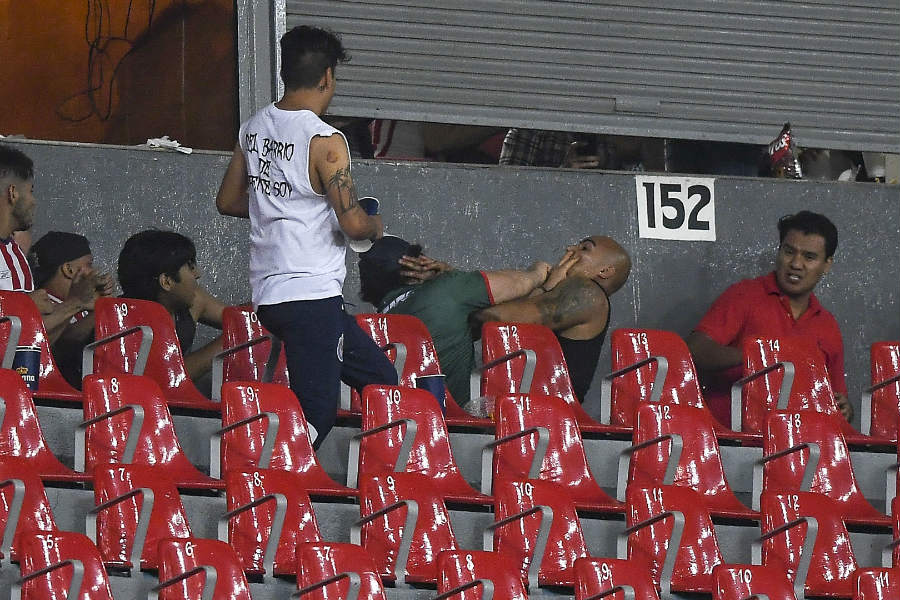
(676, 208)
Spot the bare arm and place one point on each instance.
(508, 285)
(575, 301)
(207, 309)
(331, 162)
(710, 355)
(199, 362)
(233, 198)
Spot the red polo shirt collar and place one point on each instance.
(770, 285)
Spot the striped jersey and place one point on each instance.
(15, 273)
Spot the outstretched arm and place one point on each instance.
(233, 198)
(575, 301)
(710, 355)
(331, 162)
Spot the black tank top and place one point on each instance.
(582, 356)
(185, 329)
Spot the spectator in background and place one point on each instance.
(63, 267)
(781, 303)
(162, 266)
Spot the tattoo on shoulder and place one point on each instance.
(341, 183)
(570, 297)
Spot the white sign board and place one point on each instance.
(676, 208)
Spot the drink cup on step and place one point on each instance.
(27, 363)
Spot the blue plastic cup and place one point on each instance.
(27, 363)
(369, 204)
(434, 384)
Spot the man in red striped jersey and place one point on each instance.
(16, 214)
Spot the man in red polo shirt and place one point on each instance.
(781, 303)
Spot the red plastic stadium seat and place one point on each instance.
(792, 441)
(134, 502)
(880, 409)
(410, 347)
(328, 570)
(390, 416)
(51, 385)
(20, 432)
(537, 525)
(832, 561)
(61, 564)
(263, 427)
(460, 569)
(877, 584)
(595, 576)
(528, 423)
(127, 414)
(661, 516)
(188, 565)
(404, 525)
(21, 487)
(521, 358)
(665, 433)
(269, 514)
(810, 390)
(164, 361)
(240, 326)
(638, 355)
(737, 582)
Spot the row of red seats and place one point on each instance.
(137, 336)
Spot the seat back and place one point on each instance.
(250, 531)
(321, 561)
(165, 362)
(157, 444)
(811, 388)
(565, 461)
(565, 542)
(885, 364)
(20, 430)
(698, 551)
(40, 550)
(596, 575)
(382, 537)
(240, 325)
(242, 448)
(33, 334)
(421, 358)
(35, 513)
(877, 584)
(178, 556)
(700, 465)
(833, 561)
(116, 526)
(459, 567)
(430, 453)
(681, 386)
(737, 582)
(833, 476)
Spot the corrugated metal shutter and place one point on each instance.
(731, 70)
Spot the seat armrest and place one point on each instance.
(887, 555)
(134, 431)
(534, 471)
(677, 446)
(209, 583)
(865, 405)
(274, 534)
(409, 437)
(659, 381)
(890, 488)
(352, 591)
(808, 473)
(540, 545)
(409, 528)
(627, 590)
(15, 592)
(87, 355)
(218, 362)
(665, 575)
(784, 392)
(140, 533)
(12, 342)
(527, 372)
(11, 524)
(487, 589)
(265, 456)
(400, 359)
(806, 552)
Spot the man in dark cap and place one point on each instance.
(63, 267)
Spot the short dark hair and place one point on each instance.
(379, 271)
(807, 222)
(149, 254)
(306, 53)
(15, 163)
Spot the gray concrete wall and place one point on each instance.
(491, 217)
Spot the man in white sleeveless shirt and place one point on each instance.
(290, 175)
